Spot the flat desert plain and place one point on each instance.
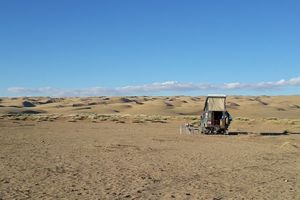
(131, 148)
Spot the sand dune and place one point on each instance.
(250, 113)
(282, 107)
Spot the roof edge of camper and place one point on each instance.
(216, 95)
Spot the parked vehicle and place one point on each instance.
(215, 119)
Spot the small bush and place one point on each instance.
(138, 121)
(242, 119)
(272, 118)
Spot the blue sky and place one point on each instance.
(75, 47)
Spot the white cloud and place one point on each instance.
(232, 85)
(153, 88)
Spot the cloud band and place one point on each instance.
(153, 88)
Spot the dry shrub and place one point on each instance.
(272, 118)
(195, 123)
(138, 121)
(114, 120)
(190, 117)
(156, 119)
(243, 119)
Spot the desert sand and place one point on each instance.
(130, 148)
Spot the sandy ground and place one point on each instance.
(130, 148)
(110, 160)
